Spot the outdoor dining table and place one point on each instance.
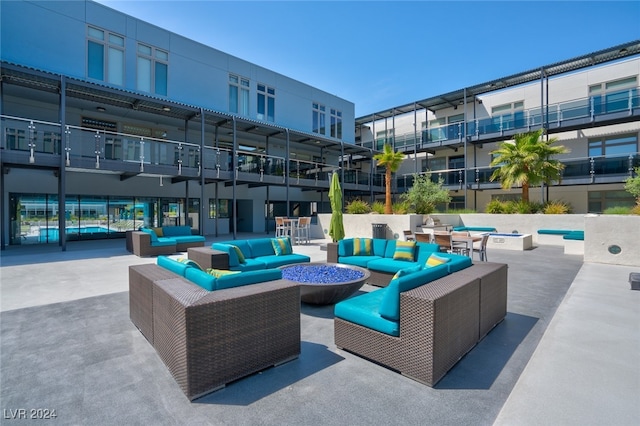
(292, 223)
(468, 241)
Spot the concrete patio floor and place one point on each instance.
(567, 353)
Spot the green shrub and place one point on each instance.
(636, 209)
(617, 210)
(557, 207)
(377, 207)
(400, 208)
(495, 207)
(358, 207)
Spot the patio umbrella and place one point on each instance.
(336, 227)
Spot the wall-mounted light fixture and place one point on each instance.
(101, 109)
(166, 109)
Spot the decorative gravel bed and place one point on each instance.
(320, 274)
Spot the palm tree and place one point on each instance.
(391, 160)
(527, 162)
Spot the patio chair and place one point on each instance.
(424, 237)
(282, 229)
(459, 247)
(443, 239)
(482, 248)
(302, 230)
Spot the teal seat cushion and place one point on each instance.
(154, 236)
(457, 263)
(574, 235)
(174, 231)
(554, 231)
(201, 278)
(249, 265)
(390, 266)
(227, 247)
(163, 242)
(345, 247)
(246, 278)
(275, 261)
(260, 247)
(424, 250)
(363, 310)
(390, 249)
(379, 246)
(390, 303)
(360, 261)
(187, 238)
(475, 228)
(172, 265)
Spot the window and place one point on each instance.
(153, 68)
(599, 201)
(266, 103)
(384, 137)
(319, 118)
(613, 146)
(105, 56)
(336, 123)
(614, 95)
(238, 95)
(220, 210)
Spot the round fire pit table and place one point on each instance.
(325, 283)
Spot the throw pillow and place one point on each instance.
(220, 272)
(362, 246)
(158, 232)
(241, 258)
(404, 250)
(189, 262)
(407, 271)
(281, 246)
(435, 260)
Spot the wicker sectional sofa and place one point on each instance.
(426, 318)
(164, 240)
(257, 254)
(210, 338)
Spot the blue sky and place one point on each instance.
(381, 54)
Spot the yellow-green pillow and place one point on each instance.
(281, 246)
(362, 246)
(220, 272)
(241, 258)
(189, 262)
(158, 232)
(435, 260)
(404, 250)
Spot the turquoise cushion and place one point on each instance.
(163, 242)
(390, 266)
(172, 265)
(276, 261)
(249, 265)
(201, 278)
(390, 304)
(363, 310)
(246, 278)
(457, 262)
(154, 237)
(260, 247)
(227, 247)
(187, 238)
(574, 235)
(554, 231)
(345, 247)
(390, 249)
(475, 228)
(361, 261)
(424, 250)
(379, 246)
(174, 231)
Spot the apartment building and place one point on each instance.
(591, 104)
(110, 123)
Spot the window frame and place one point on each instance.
(155, 58)
(108, 43)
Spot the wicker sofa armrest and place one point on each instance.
(208, 339)
(141, 242)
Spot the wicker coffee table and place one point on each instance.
(346, 280)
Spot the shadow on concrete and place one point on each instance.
(313, 358)
(481, 366)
